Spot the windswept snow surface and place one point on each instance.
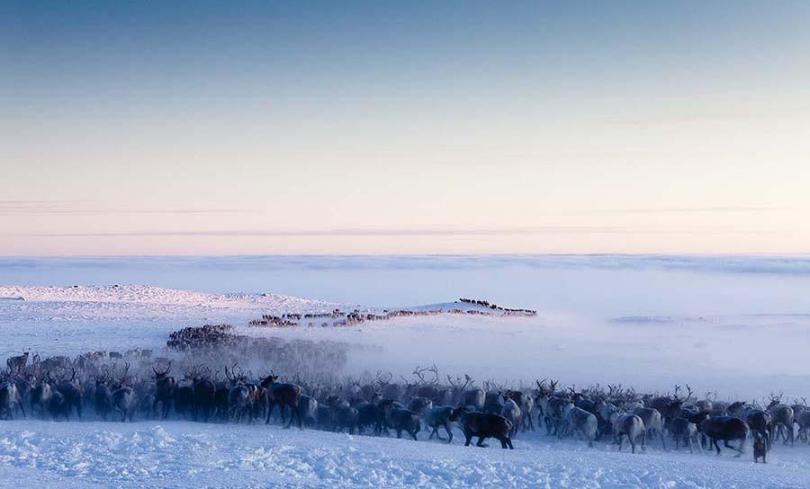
(184, 454)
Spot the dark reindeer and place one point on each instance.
(404, 420)
(16, 364)
(164, 390)
(483, 425)
(204, 397)
(760, 448)
(726, 428)
(761, 423)
(240, 396)
(283, 395)
(71, 394)
(684, 432)
(102, 397)
(783, 418)
(123, 397)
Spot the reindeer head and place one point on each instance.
(160, 375)
(269, 380)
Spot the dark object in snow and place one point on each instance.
(760, 448)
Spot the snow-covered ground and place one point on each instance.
(740, 327)
(72, 320)
(184, 454)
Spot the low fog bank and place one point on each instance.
(600, 286)
(737, 357)
(736, 325)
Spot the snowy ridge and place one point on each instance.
(144, 294)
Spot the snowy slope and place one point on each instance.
(72, 320)
(156, 299)
(184, 454)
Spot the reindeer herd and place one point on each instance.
(126, 387)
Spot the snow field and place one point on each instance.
(185, 454)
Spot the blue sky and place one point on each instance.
(404, 127)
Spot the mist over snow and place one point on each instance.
(737, 325)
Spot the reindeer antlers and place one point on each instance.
(420, 373)
(164, 372)
(457, 383)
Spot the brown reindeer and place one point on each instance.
(483, 426)
(283, 395)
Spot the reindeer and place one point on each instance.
(9, 399)
(803, 421)
(550, 406)
(164, 390)
(473, 398)
(463, 394)
(670, 407)
(526, 404)
(16, 364)
(240, 398)
(24, 385)
(483, 425)
(204, 396)
(625, 424)
(760, 448)
(344, 416)
(631, 426)
(420, 405)
(512, 412)
(123, 397)
(782, 418)
(760, 422)
(41, 394)
(103, 397)
(308, 410)
(71, 396)
(283, 395)
(369, 414)
(493, 402)
(404, 420)
(652, 422)
(726, 428)
(184, 397)
(683, 431)
(579, 421)
(439, 417)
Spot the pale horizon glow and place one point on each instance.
(211, 128)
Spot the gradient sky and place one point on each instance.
(404, 127)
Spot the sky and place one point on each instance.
(453, 127)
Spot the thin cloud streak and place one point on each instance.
(394, 232)
(80, 208)
(691, 210)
